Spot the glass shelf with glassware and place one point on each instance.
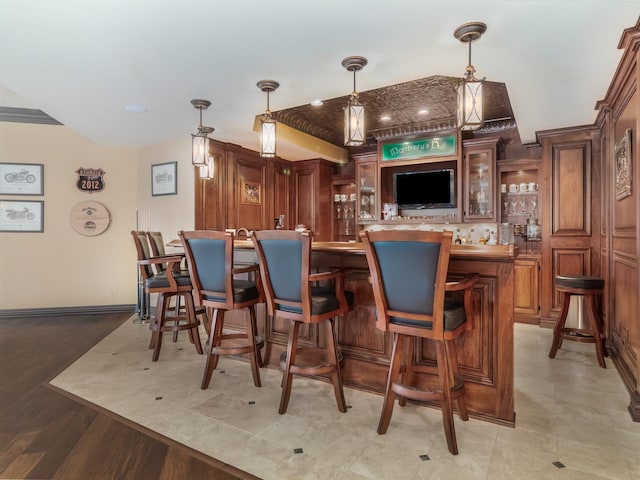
(344, 212)
(520, 203)
(366, 183)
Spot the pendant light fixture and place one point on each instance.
(470, 101)
(354, 126)
(200, 140)
(206, 170)
(267, 124)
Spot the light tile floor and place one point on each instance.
(568, 410)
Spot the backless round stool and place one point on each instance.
(591, 288)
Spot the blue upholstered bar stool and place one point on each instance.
(592, 289)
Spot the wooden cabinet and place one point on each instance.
(519, 211)
(479, 166)
(345, 208)
(526, 289)
(367, 185)
(568, 246)
(520, 201)
(312, 200)
(367, 198)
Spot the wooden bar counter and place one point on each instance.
(485, 354)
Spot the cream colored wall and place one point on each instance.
(61, 268)
(169, 213)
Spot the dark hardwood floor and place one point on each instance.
(48, 434)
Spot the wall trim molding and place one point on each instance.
(59, 311)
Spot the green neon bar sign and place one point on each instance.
(427, 147)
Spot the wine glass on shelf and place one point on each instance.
(523, 202)
(514, 203)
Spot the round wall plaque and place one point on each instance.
(90, 218)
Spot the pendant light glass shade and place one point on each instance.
(267, 123)
(470, 100)
(470, 95)
(200, 140)
(200, 148)
(354, 124)
(207, 170)
(354, 127)
(267, 137)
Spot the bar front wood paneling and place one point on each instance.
(485, 353)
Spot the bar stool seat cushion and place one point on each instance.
(349, 295)
(322, 301)
(580, 282)
(160, 280)
(243, 291)
(454, 316)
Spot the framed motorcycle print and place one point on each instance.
(19, 216)
(164, 179)
(21, 179)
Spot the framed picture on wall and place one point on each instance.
(624, 166)
(164, 179)
(21, 179)
(19, 216)
(250, 192)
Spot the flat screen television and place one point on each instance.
(425, 189)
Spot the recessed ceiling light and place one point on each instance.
(316, 102)
(423, 111)
(385, 118)
(135, 108)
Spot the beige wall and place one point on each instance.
(170, 213)
(61, 268)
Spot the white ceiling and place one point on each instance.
(82, 61)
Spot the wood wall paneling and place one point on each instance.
(526, 297)
(250, 194)
(279, 192)
(311, 196)
(569, 246)
(625, 314)
(221, 202)
(571, 188)
(619, 111)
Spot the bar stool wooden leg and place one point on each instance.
(447, 401)
(254, 355)
(287, 376)
(394, 373)
(407, 374)
(557, 331)
(454, 374)
(332, 359)
(192, 319)
(161, 312)
(596, 328)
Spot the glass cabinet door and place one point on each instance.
(367, 187)
(344, 211)
(479, 195)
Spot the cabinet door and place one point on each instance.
(367, 189)
(312, 201)
(479, 182)
(344, 210)
(526, 274)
